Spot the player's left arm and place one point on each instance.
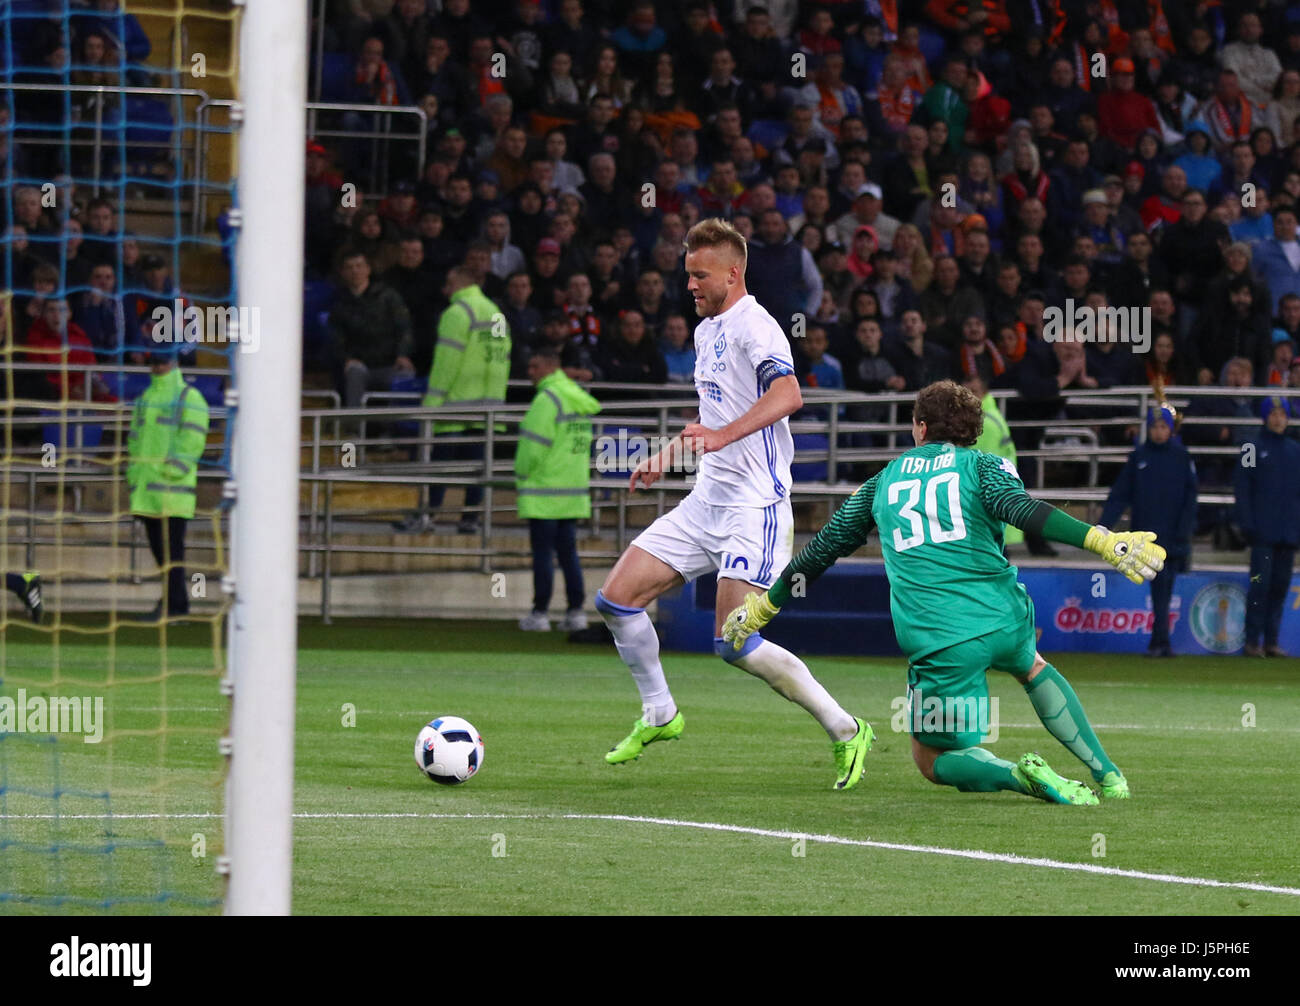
(1133, 553)
(768, 352)
(782, 398)
(843, 535)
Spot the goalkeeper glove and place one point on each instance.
(750, 616)
(1133, 553)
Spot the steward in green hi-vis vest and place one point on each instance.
(169, 430)
(471, 361)
(553, 460)
(995, 438)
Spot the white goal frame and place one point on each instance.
(272, 93)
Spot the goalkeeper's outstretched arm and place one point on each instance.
(1133, 553)
(843, 535)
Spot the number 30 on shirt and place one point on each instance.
(909, 493)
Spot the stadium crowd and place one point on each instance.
(918, 181)
(83, 286)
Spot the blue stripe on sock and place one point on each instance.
(725, 650)
(607, 607)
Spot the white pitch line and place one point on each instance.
(738, 829)
(1027, 726)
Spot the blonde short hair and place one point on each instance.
(714, 232)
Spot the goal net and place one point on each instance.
(120, 354)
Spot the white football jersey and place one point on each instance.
(737, 355)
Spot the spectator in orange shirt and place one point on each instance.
(1123, 112)
(896, 99)
(908, 48)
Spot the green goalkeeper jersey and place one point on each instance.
(940, 510)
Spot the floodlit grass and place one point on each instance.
(1213, 799)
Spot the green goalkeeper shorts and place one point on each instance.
(948, 692)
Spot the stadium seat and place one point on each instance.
(336, 73)
(931, 43)
(148, 121)
(810, 471)
(212, 388)
(769, 133)
(417, 386)
(614, 431)
(127, 387)
(317, 298)
(92, 434)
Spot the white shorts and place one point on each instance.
(743, 543)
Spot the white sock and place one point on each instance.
(790, 677)
(638, 644)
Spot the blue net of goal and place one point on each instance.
(119, 348)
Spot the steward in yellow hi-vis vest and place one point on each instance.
(471, 364)
(169, 430)
(471, 359)
(552, 473)
(995, 438)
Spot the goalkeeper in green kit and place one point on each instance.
(957, 607)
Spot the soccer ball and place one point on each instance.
(449, 750)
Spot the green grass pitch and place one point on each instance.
(1213, 798)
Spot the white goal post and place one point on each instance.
(272, 92)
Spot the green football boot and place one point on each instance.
(1114, 787)
(1040, 781)
(631, 746)
(851, 755)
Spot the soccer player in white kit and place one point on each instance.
(737, 519)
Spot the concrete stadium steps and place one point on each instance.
(501, 594)
(508, 540)
(364, 496)
(410, 595)
(146, 211)
(85, 550)
(203, 270)
(98, 497)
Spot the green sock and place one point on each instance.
(975, 770)
(1062, 713)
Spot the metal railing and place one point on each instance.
(326, 435)
(199, 204)
(175, 143)
(381, 139)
